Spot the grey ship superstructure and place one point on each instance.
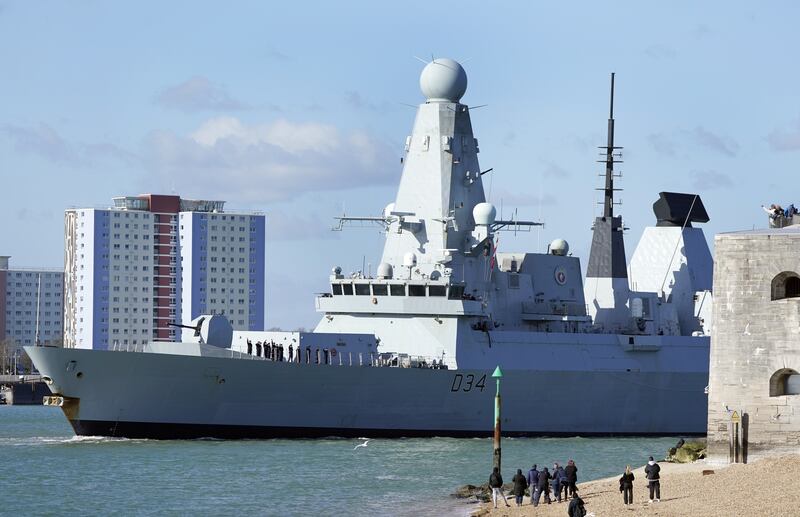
(410, 352)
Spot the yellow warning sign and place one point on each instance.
(735, 418)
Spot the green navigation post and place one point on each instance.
(498, 374)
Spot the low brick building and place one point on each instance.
(755, 343)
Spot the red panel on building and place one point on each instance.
(164, 204)
(163, 261)
(3, 284)
(163, 281)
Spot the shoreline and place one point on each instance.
(768, 486)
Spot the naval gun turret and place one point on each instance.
(211, 329)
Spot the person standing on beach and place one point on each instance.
(533, 480)
(558, 479)
(543, 487)
(653, 479)
(626, 485)
(571, 473)
(496, 484)
(520, 484)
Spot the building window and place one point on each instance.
(784, 382)
(786, 285)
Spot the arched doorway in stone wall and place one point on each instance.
(785, 285)
(784, 382)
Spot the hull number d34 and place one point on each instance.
(467, 383)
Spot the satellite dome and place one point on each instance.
(443, 80)
(410, 259)
(484, 214)
(385, 270)
(559, 247)
(388, 210)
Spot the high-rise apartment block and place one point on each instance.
(31, 308)
(151, 260)
(223, 267)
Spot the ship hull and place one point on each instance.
(157, 395)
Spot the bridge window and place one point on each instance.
(347, 288)
(437, 290)
(336, 289)
(416, 290)
(397, 289)
(784, 382)
(456, 292)
(380, 289)
(786, 285)
(362, 289)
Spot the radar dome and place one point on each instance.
(385, 270)
(443, 80)
(388, 210)
(559, 247)
(484, 214)
(410, 259)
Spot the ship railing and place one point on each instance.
(333, 357)
(128, 347)
(324, 357)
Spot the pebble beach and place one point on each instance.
(766, 487)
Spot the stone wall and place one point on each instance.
(754, 337)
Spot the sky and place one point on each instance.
(301, 109)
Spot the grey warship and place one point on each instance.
(410, 351)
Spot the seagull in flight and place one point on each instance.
(366, 441)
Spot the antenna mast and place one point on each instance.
(608, 202)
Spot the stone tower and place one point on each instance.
(755, 342)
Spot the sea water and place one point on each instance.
(46, 470)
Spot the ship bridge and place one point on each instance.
(384, 296)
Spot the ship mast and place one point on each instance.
(606, 287)
(608, 201)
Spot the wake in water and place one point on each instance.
(63, 440)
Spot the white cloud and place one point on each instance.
(785, 140)
(46, 142)
(658, 51)
(708, 180)
(662, 143)
(297, 226)
(722, 144)
(268, 162)
(198, 94)
(42, 140)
